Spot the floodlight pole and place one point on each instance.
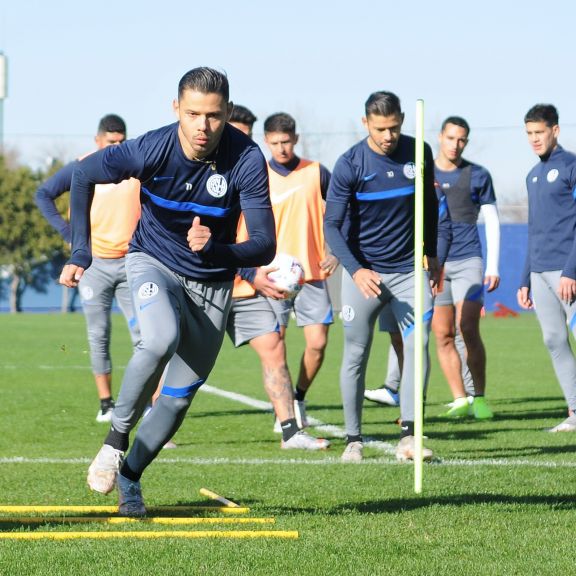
(419, 299)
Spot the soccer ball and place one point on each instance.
(290, 274)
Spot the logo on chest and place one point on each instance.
(217, 185)
(552, 175)
(409, 170)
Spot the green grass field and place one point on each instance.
(499, 500)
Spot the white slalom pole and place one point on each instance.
(419, 298)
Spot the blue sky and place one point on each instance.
(71, 62)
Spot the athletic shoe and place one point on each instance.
(130, 502)
(353, 452)
(299, 414)
(569, 425)
(104, 469)
(481, 410)
(405, 450)
(460, 409)
(170, 445)
(303, 441)
(105, 414)
(470, 401)
(383, 396)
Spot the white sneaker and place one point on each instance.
(303, 441)
(170, 445)
(299, 414)
(405, 450)
(382, 396)
(105, 415)
(104, 469)
(353, 452)
(568, 425)
(130, 502)
(470, 401)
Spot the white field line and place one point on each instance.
(291, 461)
(326, 429)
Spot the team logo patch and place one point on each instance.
(348, 313)
(217, 185)
(409, 170)
(147, 290)
(535, 179)
(552, 175)
(86, 293)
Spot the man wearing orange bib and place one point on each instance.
(113, 217)
(297, 189)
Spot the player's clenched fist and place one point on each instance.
(198, 235)
(70, 275)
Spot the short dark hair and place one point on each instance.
(280, 122)
(457, 121)
(111, 123)
(242, 115)
(542, 113)
(205, 80)
(383, 104)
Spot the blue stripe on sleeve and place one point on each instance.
(385, 194)
(187, 206)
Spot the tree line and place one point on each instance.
(31, 251)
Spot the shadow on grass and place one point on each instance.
(557, 502)
(518, 451)
(395, 505)
(225, 413)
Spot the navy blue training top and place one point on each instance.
(175, 189)
(373, 194)
(465, 190)
(48, 191)
(551, 188)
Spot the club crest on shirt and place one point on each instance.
(348, 313)
(409, 170)
(147, 290)
(552, 175)
(86, 292)
(217, 185)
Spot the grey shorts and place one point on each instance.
(463, 280)
(250, 318)
(311, 305)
